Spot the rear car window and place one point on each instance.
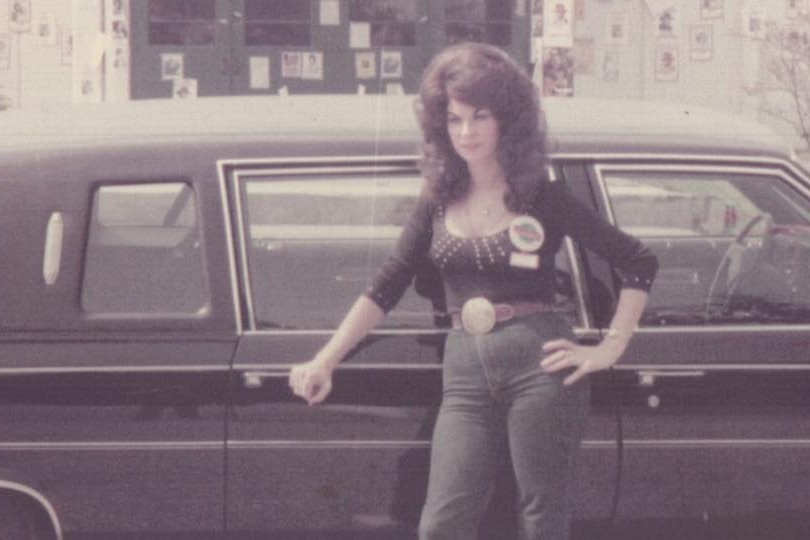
(144, 253)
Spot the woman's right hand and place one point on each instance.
(311, 380)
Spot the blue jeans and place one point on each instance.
(497, 399)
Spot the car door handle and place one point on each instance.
(255, 379)
(647, 378)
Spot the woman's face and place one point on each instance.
(473, 132)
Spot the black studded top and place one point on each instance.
(490, 266)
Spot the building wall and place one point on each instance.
(616, 51)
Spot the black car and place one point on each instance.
(165, 263)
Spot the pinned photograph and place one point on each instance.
(558, 72)
(558, 23)
(259, 72)
(312, 65)
(667, 22)
(291, 64)
(46, 29)
(666, 60)
(118, 8)
(391, 65)
(359, 35)
(330, 13)
(66, 45)
(584, 57)
(611, 66)
(184, 88)
(796, 8)
(119, 30)
(711, 9)
(120, 57)
(700, 40)
(19, 16)
(365, 65)
(5, 51)
(171, 66)
(617, 28)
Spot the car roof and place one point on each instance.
(575, 125)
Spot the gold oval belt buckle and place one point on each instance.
(478, 316)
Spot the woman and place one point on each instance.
(491, 221)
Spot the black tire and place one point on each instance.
(17, 519)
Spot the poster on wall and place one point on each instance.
(797, 8)
(711, 9)
(365, 65)
(617, 28)
(558, 71)
(558, 23)
(19, 16)
(611, 65)
(666, 60)
(330, 13)
(291, 64)
(701, 47)
(184, 88)
(46, 29)
(171, 66)
(667, 22)
(5, 51)
(65, 45)
(359, 35)
(312, 66)
(391, 65)
(753, 22)
(583, 57)
(259, 72)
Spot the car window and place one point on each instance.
(144, 253)
(733, 246)
(315, 242)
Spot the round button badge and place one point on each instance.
(526, 233)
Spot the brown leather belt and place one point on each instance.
(479, 315)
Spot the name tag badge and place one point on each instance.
(530, 261)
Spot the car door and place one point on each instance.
(311, 237)
(715, 383)
(116, 339)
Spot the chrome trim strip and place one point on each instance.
(597, 444)
(275, 161)
(724, 329)
(242, 255)
(41, 499)
(72, 446)
(113, 369)
(232, 266)
(771, 444)
(713, 367)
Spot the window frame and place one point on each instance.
(239, 170)
(778, 169)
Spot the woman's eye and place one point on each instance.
(482, 115)
(453, 119)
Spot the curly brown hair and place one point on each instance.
(482, 76)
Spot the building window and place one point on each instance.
(393, 22)
(181, 22)
(277, 22)
(487, 21)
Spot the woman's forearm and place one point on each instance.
(363, 316)
(628, 312)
